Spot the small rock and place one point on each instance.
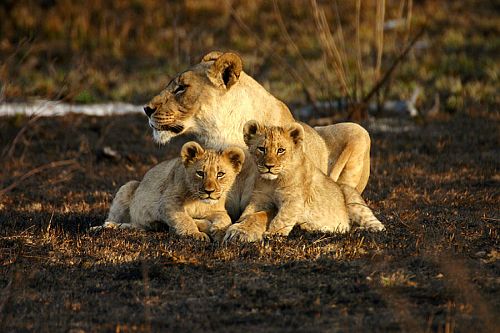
(480, 254)
(109, 153)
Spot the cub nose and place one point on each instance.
(209, 191)
(269, 166)
(149, 110)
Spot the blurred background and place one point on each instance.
(434, 178)
(342, 56)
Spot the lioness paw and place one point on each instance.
(373, 226)
(276, 234)
(343, 228)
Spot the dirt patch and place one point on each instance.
(434, 185)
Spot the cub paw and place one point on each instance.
(217, 234)
(200, 236)
(106, 225)
(238, 233)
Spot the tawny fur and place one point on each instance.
(187, 193)
(300, 193)
(215, 98)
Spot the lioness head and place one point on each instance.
(273, 147)
(210, 174)
(172, 111)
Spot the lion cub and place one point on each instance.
(186, 193)
(301, 194)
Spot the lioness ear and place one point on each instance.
(250, 130)
(226, 69)
(296, 132)
(211, 56)
(190, 152)
(236, 157)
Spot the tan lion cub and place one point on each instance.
(186, 193)
(299, 192)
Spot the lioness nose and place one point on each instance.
(149, 110)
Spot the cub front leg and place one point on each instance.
(249, 228)
(183, 224)
(219, 222)
(253, 222)
(288, 215)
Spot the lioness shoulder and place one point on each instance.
(187, 193)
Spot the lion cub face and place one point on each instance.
(273, 148)
(210, 174)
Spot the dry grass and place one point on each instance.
(301, 50)
(435, 269)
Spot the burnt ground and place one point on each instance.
(434, 184)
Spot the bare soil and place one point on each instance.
(436, 269)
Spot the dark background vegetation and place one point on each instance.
(435, 179)
(127, 50)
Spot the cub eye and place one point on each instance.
(220, 174)
(200, 174)
(261, 149)
(281, 150)
(180, 89)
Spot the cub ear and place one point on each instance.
(190, 152)
(226, 68)
(235, 156)
(211, 56)
(250, 130)
(296, 132)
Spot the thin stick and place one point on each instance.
(36, 170)
(271, 52)
(391, 69)
(359, 59)
(379, 35)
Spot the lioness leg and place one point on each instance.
(358, 210)
(250, 229)
(349, 153)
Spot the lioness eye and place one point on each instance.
(180, 88)
(200, 174)
(220, 174)
(262, 149)
(281, 150)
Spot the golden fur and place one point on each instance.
(290, 184)
(214, 99)
(187, 193)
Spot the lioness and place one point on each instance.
(215, 98)
(292, 185)
(187, 193)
